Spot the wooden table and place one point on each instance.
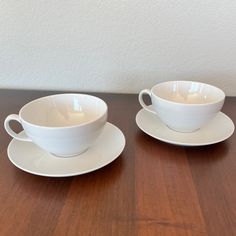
(153, 188)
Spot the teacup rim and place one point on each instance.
(222, 97)
(63, 127)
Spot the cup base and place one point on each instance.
(183, 131)
(71, 155)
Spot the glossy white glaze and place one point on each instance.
(29, 157)
(63, 124)
(184, 106)
(219, 129)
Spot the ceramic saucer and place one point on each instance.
(219, 129)
(30, 158)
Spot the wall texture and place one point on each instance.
(116, 45)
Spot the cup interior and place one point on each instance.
(63, 110)
(188, 92)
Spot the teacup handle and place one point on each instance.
(142, 103)
(20, 136)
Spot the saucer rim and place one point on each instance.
(179, 143)
(76, 173)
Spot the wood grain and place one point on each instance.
(153, 188)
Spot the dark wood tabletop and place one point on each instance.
(152, 188)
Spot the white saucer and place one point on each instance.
(30, 158)
(219, 129)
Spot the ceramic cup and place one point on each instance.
(184, 106)
(63, 124)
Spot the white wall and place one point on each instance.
(116, 45)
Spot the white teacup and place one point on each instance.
(63, 124)
(184, 106)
